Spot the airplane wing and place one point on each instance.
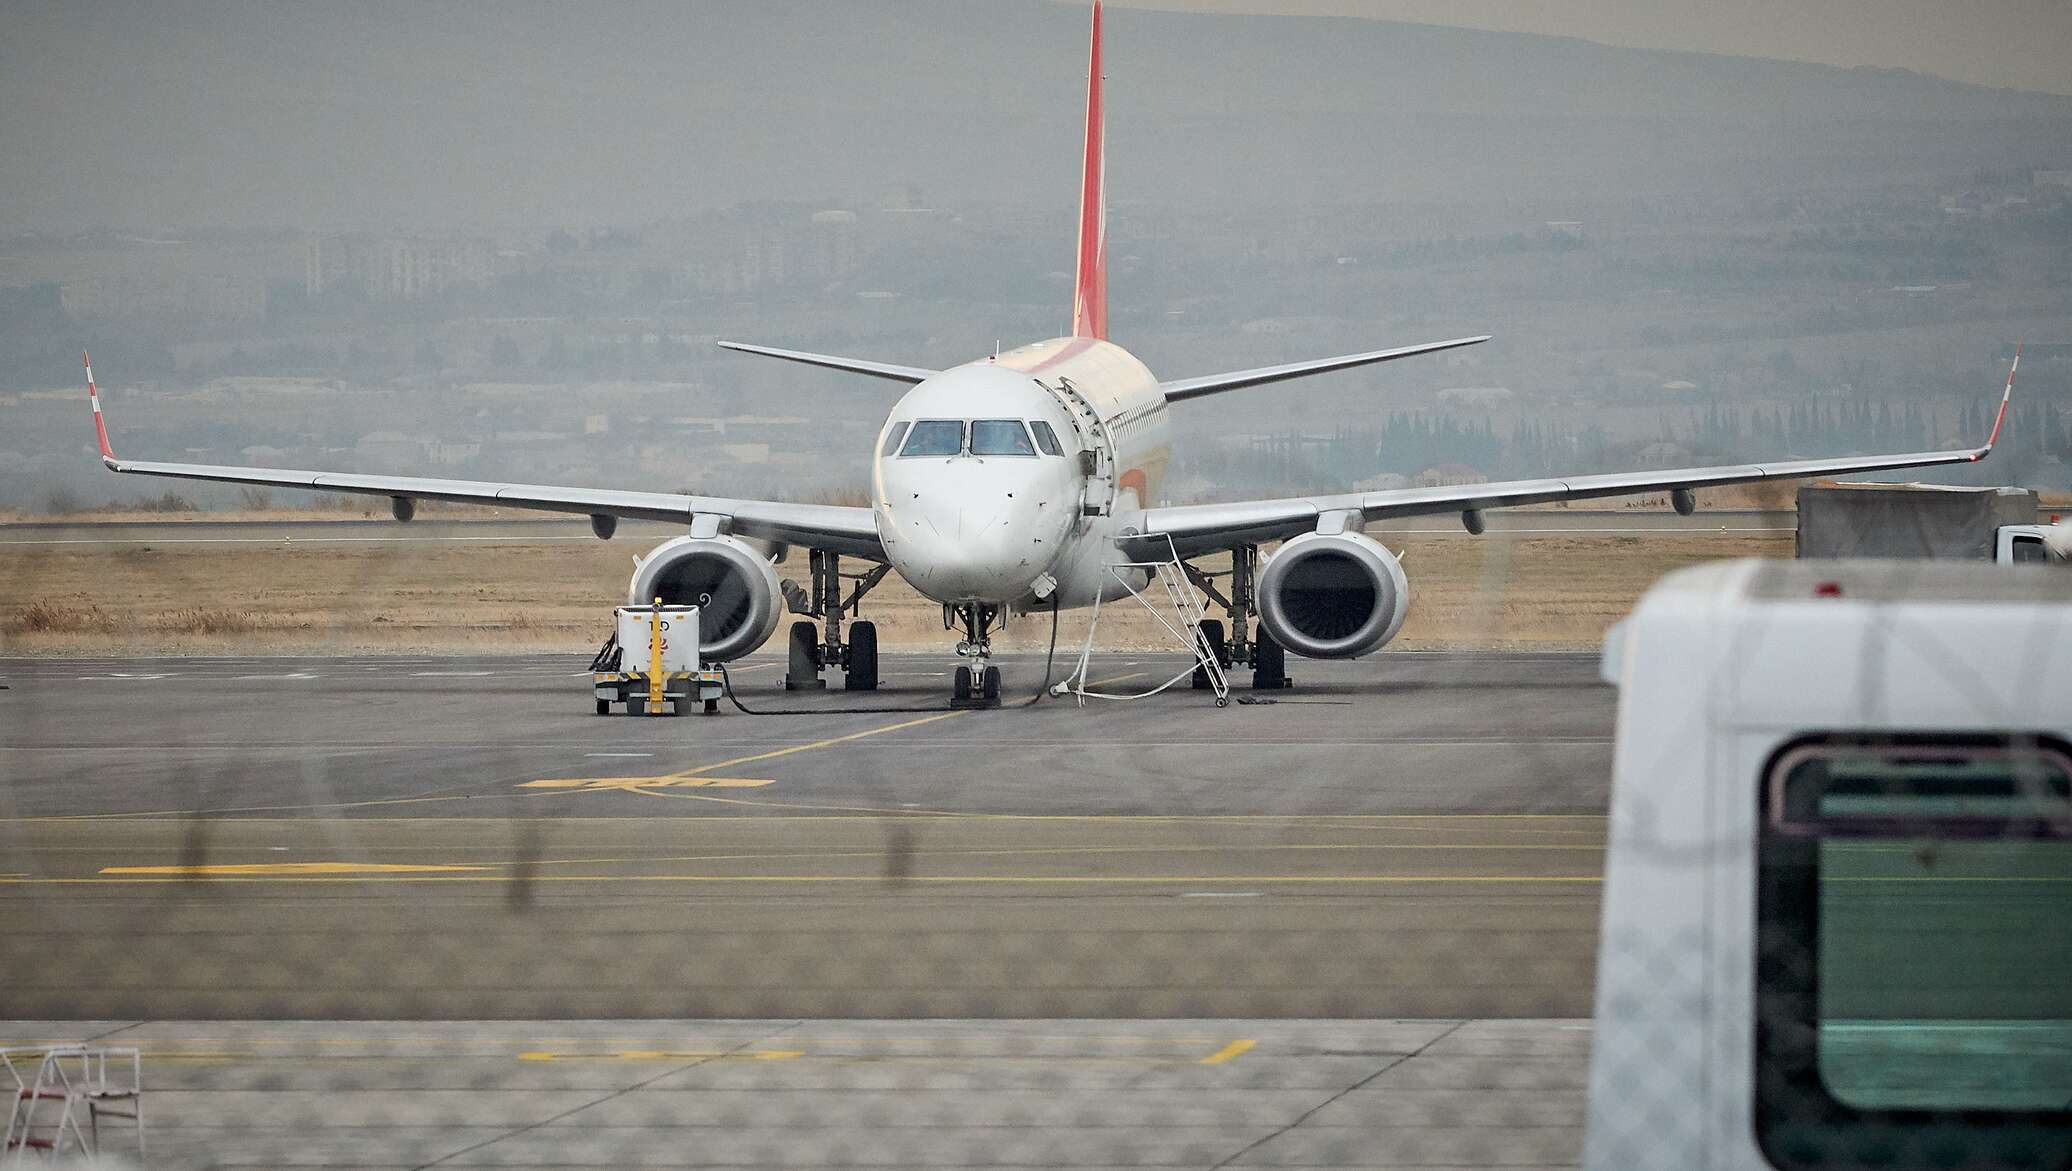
(1186, 388)
(841, 529)
(1201, 528)
(885, 370)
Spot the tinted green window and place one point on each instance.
(1914, 938)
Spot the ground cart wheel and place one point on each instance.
(604, 707)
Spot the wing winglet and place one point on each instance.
(2005, 395)
(93, 395)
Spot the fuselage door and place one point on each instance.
(1096, 445)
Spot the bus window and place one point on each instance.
(1913, 950)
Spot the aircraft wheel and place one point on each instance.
(992, 685)
(862, 674)
(960, 686)
(1269, 664)
(1212, 632)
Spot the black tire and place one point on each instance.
(960, 686)
(636, 707)
(1212, 633)
(1269, 664)
(711, 706)
(802, 670)
(862, 674)
(604, 707)
(679, 707)
(992, 685)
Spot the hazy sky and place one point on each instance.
(2020, 44)
(396, 114)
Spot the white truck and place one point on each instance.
(1837, 919)
(1931, 521)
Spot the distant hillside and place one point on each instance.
(478, 112)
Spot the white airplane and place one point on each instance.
(1027, 481)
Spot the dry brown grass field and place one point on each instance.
(520, 596)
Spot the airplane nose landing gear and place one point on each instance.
(976, 684)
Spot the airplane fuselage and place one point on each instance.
(1008, 520)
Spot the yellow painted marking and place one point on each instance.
(1178, 818)
(667, 1055)
(1228, 1052)
(678, 779)
(282, 869)
(647, 783)
(174, 873)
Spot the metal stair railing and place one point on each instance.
(1184, 625)
(29, 1127)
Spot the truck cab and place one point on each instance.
(1835, 929)
(2032, 544)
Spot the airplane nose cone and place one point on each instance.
(974, 529)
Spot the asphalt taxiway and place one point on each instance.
(790, 1093)
(1409, 835)
(367, 913)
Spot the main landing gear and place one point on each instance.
(976, 684)
(1267, 658)
(818, 648)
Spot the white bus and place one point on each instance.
(1837, 924)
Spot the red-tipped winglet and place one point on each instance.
(2005, 395)
(93, 395)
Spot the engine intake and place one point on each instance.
(729, 580)
(1332, 596)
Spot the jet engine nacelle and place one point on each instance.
(728, 579)
(1332, 596)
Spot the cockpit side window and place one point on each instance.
(1046, 439)
(1000, 437)
(934, 437)
(893, 437)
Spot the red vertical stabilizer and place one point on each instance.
(1090, 290)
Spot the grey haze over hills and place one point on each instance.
(476, 114)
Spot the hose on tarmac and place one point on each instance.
(1049, 662)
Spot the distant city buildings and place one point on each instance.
(396, 268)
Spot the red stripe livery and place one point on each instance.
(1090, 291)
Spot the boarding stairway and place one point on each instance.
(55, 1088)
(1184, 624)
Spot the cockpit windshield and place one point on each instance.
(952, 437)
(935, 437)
(1000, 437)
